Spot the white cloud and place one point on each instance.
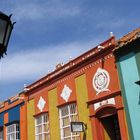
(112, 23)
(34, 64)
(31, 11)
(40, 10)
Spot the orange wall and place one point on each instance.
(44, 95)
(109, 65)
(5, 122)
(69, 82)
(23, 122)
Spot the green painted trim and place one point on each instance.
(130, 133)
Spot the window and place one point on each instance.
(42, 127)
(12, 132)
(68, 114)
(1, 134)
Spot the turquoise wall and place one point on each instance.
(138, 61)
(128, 71)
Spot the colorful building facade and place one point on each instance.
(13, 119)
(86, 90)
(127, 54)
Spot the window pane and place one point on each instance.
(44, 118)
(74, 118)
(46, 127)
(17, 127)
(47, 137)
(12, 137)
(73, 109)
(64, 111)
(17, 136)
(66, 121)
(40, 137)
(68, 114)
(39, 129)
(67, 138)
(42, 127)
(76, 138)
(13, 132)
(39, 120)
(67, 132)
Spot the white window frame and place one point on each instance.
(43, 133)
(12, 130)
(1, 135)
(72, 135)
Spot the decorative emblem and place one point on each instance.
(66, 92)
(41, 104)
(101, 81)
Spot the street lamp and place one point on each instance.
(6, 27)
(78, 127)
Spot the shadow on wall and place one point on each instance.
(84, 136)
(139, 98)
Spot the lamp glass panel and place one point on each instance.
(7, 35)
(3, 24)
(77, 127)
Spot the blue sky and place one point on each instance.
(48, 32)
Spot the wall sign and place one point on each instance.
(104, 102)
(41, 104)
(101, 80)
(66, 92)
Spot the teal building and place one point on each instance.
(127, 53)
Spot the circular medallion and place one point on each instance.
(101, 80)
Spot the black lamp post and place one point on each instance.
(6, 27)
